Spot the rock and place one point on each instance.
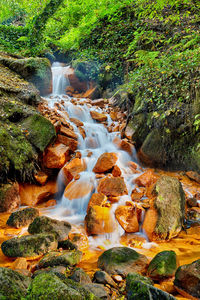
(41, 177)
(80, 240)
(98, 116)
(127, 218)
(80, 276)
(187, 280)
(163, 265)
(116, 172)
(103, 278)
(193, 175)
(146, 179)
(59, 271)
(64, 258)
(105, 162)
(73, 168)
(99, 220)
(139, 287)
(13, 285)
(56, 156)
(31, 194)
(97, 199)
(112, 186)
(76, 122)
(129, 131)
(82, 132)
(98, 290)
(92, 93)
(20, 264)
(67, 245)
(49, 286)
(29, 245)
(98, 102)
(121, 261)
(71, 143)
(165, 219)
(23, 217)
(80, 86)
(126, 146)
(45, 224)
(78, 189)
(192, 202)
(9, 197)
(69, 133)
(83, 290)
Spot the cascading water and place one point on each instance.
(97, 141)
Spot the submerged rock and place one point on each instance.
(122, 260)
(163, 265)
(29, 245)
(23, 217)
(13, 285)
(45, 224)
(165, 219)
(64, 258)
(187, 280)
(9, 197)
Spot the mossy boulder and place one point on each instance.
(187, 280)
(22, 217)
(45, 224)
(163, 265)
(9, 197)
(13, 285)
(29, 245)
(131, 277)
(64, 258)
(122, 260)
(67, 245)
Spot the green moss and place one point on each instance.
(65, 258)
(22, 217)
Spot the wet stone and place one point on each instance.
(23, 217)
(79, 275)
(64, 258)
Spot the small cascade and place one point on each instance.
(97, 141)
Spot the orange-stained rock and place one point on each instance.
(71, 143)
(150, 222)
(126, 146)
(50, 203)
(41, 177)
(56, 156)
(99, 220)
(146, 179)
(105, 162)
(97, 199)
(76, 122)
(114, 115)
(68, 132)
(79, 239)
(92, 93)
(9, 197)
(137, 193)
(129, 131)
(112, 186)
(116, 172)
(98, 102)
(133, 166)
(80, 86)
(20, 264)
(127, 218)
(113, 199)
(98, 116)
(117, 141)
(82, 132)
(78, 189)
(194, 176)
(31, 194)
(73, 168)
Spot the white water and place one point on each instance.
(98, 140)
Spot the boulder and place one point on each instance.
(13, 285)
(105, 162)
(163, 265)
(64, 258)
(80, 86)
(146, 179)
(9, 197)
(85, 292)
(121, 261)
(99, 220)
(127, 218)
(29, 245)
(99, 117)
(45, 224)
(165, 219)
(98, 290)
(116, 172)
(73, 168)
(41, 177)
(56, 156)
(103, 278)
(97, 199)
(78, 189)
(187, 280)
(112, 186)
(80, 276)
(139, 287)
(31, 194)
(71, 143)
(23, 217)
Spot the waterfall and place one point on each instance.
(60, 81)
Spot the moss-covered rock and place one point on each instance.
(163, 265)
(80, 276)
(29, 245)
(98, 290)
(122, 260)
(64, 258)
(187, 280)
(131, 277)
(9, 197)
(13, 285)
(22, 217)
(45, 224)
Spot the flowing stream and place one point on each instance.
(97, 141)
